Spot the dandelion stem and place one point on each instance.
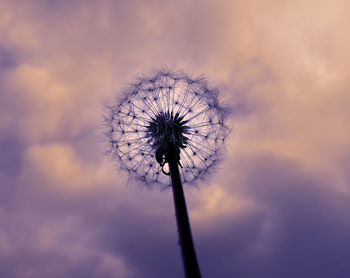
(183, 225)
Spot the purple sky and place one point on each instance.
(278, 206)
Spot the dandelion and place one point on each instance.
(169, 124)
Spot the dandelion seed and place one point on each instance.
(140, 123)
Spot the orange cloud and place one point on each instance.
(57, 167)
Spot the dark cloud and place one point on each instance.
(7, 59)
(148, 243)
(301, 230)
(11, 150)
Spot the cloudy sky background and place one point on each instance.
(279, 205)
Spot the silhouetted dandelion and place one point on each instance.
(168, 123)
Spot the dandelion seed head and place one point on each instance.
(161, 109)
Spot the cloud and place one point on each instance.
(287, 60)
(277, 207)
(54, 249)
(298, 227)
(56, 165)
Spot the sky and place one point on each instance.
(279, 204)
